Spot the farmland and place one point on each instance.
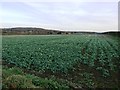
(69, 57)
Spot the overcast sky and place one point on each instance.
(77, 16)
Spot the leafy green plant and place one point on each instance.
(60, 53)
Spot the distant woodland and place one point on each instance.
(41, 31)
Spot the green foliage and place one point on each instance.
(60, 53)
(18, 81)
(50, 83)
(16, 78)
(8, 72)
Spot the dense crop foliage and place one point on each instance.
(62, 52)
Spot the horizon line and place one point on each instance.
(62, 30)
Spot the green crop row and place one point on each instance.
(59, 53)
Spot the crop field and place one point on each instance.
(66, 56)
